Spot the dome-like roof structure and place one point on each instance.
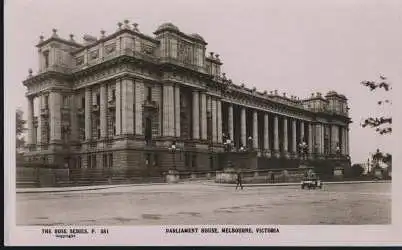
(197, 36)
(170, 26)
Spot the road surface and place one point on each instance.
(203, 203)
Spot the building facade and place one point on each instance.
(124, 99)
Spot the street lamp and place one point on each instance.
(338, 150)
(250, 143)
(303, 149)
(227, 143)
(173, 149)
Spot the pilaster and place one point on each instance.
(294, 141)
(139, 101)
(214, 121)
(219, 120)
(243, 126)
(285, 135)
(196, 115)
(88, 114)
(276, 134)
(73, 119)
(266, 132)
(204, 116)
(255, 129)
(177, 110)
(55, 117)
(103, 110)
(30, 119)
(230, 121)
(168, 110)
(118, 107)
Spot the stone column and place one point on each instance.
(343, 146)
(203, 116)
(196, 115)
(73, 119)
(230, 122)
(310, 138)
(88, 114)
(40, 120)
(334, 138)
(276, 134)
(139, 101)
(243, 134)
(214, 122)
(285, 135)
(127, 104)
(255, 129)
(347, 141)
(30, 121)
(118, 107)
(219, 120)
(168, 110)
(302, 132)
(318, 136)
(177, 109)
(55, 116)
(103, 110)
(266, 132)
(294, 141)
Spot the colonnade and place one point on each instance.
(280, 133)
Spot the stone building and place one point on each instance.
(123, 100)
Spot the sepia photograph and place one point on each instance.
(162, 113)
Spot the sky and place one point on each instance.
(297, 47)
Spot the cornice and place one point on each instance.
(119, 32)
(46, 75)
(57, 39)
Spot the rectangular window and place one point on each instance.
(46, 58)
(65, 101)
(114, 95)
(110, 160)
(194, 162)
(97, 99)
(46, 101)
(83, 102)
(149, 94)
(79, 162)
(155, 160)
(93, 161)
(89, 161)
(186, 159)
(105, 161)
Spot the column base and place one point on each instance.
(267, 153)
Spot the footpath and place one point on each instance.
(203, 182)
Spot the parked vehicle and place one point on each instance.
(311, 183)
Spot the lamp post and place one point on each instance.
(338, 150)
(250, 143)
(303, 149)
(227, 143)
(173, 149)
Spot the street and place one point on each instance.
(209, 203)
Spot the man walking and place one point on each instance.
(239, 181)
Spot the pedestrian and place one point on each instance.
(239, 181)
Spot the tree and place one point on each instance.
(20, 128)
(381, 124)
(357, 170)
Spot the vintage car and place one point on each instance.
(311, 182)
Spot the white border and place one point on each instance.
(365, 235)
